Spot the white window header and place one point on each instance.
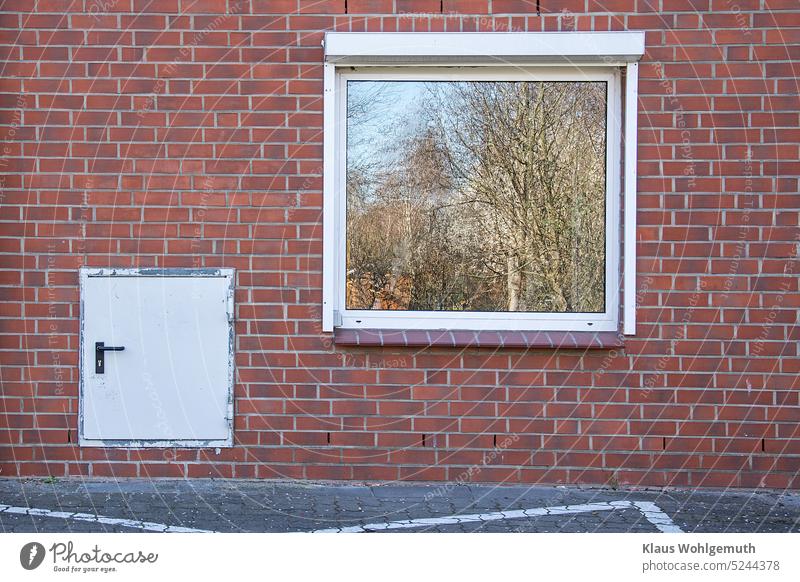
(365, 48)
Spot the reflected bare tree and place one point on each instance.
(492, 198)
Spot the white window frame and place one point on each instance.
(564, 56)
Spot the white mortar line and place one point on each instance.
(145, 525)
(650, 510)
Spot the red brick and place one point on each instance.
(370, 6)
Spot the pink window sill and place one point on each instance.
(479, 339)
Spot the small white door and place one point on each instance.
(171, 382)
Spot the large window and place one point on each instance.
(473, 197)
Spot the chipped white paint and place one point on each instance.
(649, 510)
(88, 517)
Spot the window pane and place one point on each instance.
(476, 196)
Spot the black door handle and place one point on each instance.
(100, 349)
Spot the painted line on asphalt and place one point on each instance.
(649, 510)
(145, 525)
(655, 515)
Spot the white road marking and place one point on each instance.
(649, 510)
(145, 525)
(657, 517)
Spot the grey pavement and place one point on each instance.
(293, 506)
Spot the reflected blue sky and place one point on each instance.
(387, 110)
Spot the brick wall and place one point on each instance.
(188, 133)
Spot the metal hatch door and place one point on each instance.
(156, 357)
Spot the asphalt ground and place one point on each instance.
(132, 505)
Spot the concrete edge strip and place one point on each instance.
(649, 510)
(132, 523)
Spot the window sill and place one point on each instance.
(479, 339)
